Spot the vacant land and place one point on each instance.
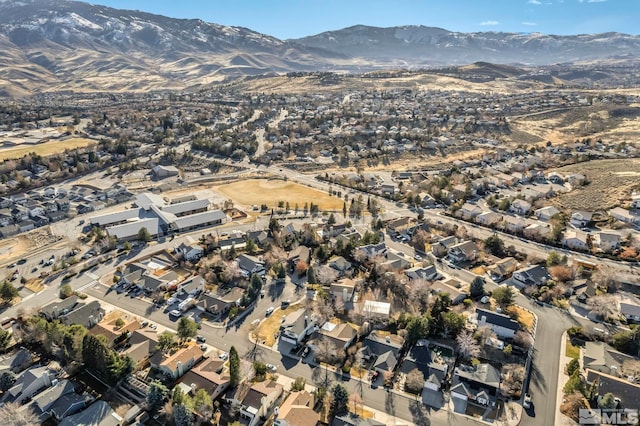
(271, 191)
(44, 149)
(611, 183)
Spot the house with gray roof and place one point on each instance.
(29, 383)
(599, 356)
(87, 315)
(428, 273)
(384, 349)
(97, 414)
(630, 311)
(474, 384)
(250, 265)
(503, 325)
(531, 275)
(296, 326)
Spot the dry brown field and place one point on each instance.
(270, 191)
(44, 149)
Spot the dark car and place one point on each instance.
(21, 261)
(200, 339)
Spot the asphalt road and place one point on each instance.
(551, 323)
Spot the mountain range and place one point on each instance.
(57, 45)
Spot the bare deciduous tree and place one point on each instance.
(524, 339)
(327, 352)
(274, 256)
(325, 275)
(12, 415)
(605, 306)
(467, 345)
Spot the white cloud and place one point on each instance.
(489, 23)
(530, 24)
(534, 2)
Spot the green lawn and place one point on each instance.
(572, 351)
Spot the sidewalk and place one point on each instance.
(561, 419)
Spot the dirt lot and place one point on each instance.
(611, 183)
(270, 191)
(16, 247)
(44, 149)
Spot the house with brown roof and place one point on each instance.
(503, 269)
(343, 290)
(108, 327)
(143, 344)
(208, 376)
(258, 401)
(219, 304)
(297, 410)
(465, 251)
(178, 363)
(342, 335)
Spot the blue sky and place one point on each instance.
(298, 18)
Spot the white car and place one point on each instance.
(175, 313)
(272, 368)
(270, 310)
(527, 401)
(485, 299)
(223, 356)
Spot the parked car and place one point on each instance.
(200, 339)
(527, 401)
(175, 313)
(270, 310)
(306, 351)
(223, 356)
(485, 299)
(285, 304)
(272, 368)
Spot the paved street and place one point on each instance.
(551, 324)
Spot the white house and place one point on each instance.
(580, 218)
(258, 401)
(575, 239)
(189, 250)
(488, 218)
(546, 213)
(503, 325)
(520, 207)
(623, 215)
(607, 241)
(630, 311)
